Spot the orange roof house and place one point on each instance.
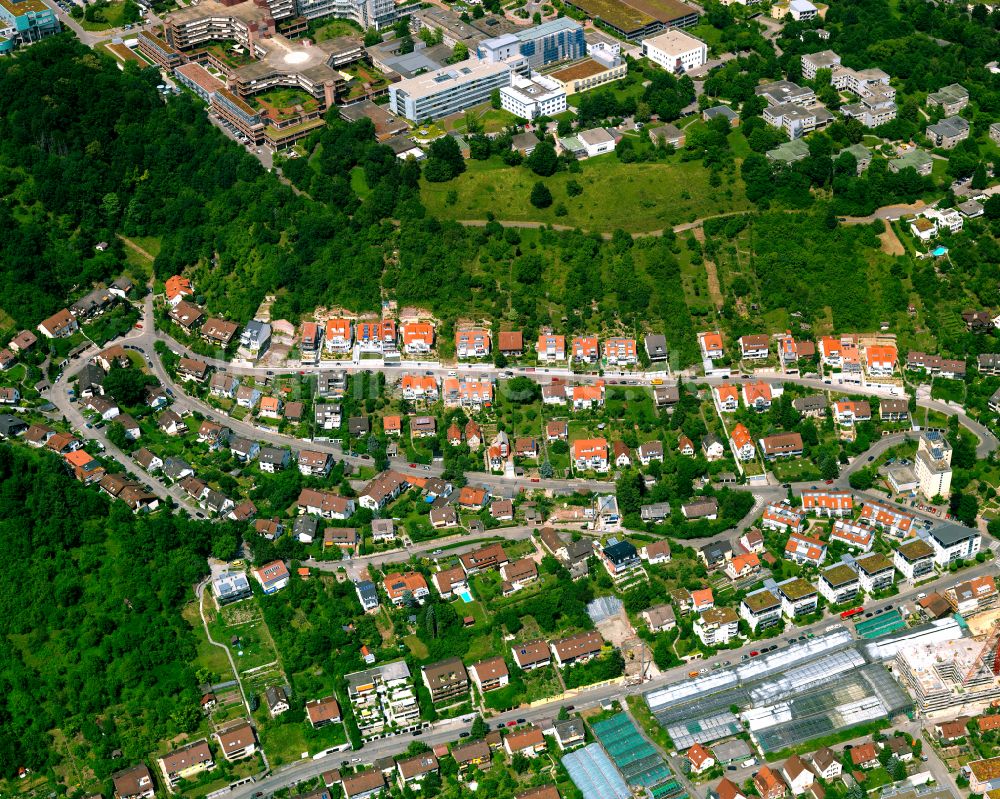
(177, 287)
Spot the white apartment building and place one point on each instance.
(530, 98)
(932, 465)
(839, 583)
(761, 609)
(914, 560)
(717, 626)
(953, 542)
(876, 573)
(448, 90)
(798, 597)
(676, 51)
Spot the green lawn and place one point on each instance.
(335, 28)
(286, 742)
(493, 120)
(633, 197)
(417, 647)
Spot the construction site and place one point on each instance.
(955, 676)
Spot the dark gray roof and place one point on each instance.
(950, 534)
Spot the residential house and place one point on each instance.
(782, 445)
(511, 344)
(192, 369)
(447, 681)
(399, 586)
(237, 742)
(755, 347)
(826, 764)
(551, 347)
(418, 337)
(711, 345)
(700, 758)
(256, 337)
(656, 551)
(243, 449)
(577, 648)
(187, 315)
(659, 618)
(865, 756)
(585, 349)
(828, 502)
(413, 770)
(528, 741)
(783, 517)
(272, 576)
(472, 343)
(186, 762)
(135, 782)
(854, 536)
(312, 463)
(322, 712)
(727, 398)
(797, 775)
(590, 454)
(757, 396)
(741, 443)
(701, 508)
(61, 324)
(798, 597)
(768, 784)
(713, 447)
(272, 459)
(743, 566)
(276, 700)
(620, 351)
(531, 654)
(490, 674)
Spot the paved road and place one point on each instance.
(457, 544)
(443, 732)
(90, 38)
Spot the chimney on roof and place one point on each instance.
(329, 93)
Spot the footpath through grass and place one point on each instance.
(633, 197)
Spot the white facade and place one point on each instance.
(529, 99)
(447, 91)
(953, 542)
(932, 466)
(676, 51)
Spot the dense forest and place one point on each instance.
(95, 652)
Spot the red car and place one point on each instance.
(754, 653)
(413, 466)
(138, 325)
(511, 723)
(535, 480)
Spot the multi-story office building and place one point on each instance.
(25, 21)
(448, 90)
(557, 40)
(676, 51)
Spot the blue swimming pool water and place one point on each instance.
(939, 250)
(466, 596)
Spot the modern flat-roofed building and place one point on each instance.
(839, 584)
(676, 51)
(560, 39)
(761, 609)
(24, 22)
(953, 542)
(589, 74)
(948, 132)
(448, 90)
(914, 560)
(529, 98)
(932, 465)
(638, 19)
